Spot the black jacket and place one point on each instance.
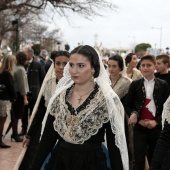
(9, 92)
(47, 65)
(35, 75)
(165, 77)
(136, 97)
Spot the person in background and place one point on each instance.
(120, 84)
(35, 76)
(48, 88)
(118, 76)
(162, 66)
(131, 62)
(21, 88)
(161, 157)
(83, 108)
(8, 94)
(43, 57)
(49, 61)
(144, 105)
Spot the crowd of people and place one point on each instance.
(80, 113)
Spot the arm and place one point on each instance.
(114, 153)
(47, 143)
(165, 96)
(22, 84)
(163, 145)
(21, 78)
(10, 85)
(129, 105)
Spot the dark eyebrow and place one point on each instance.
(80, 63)
(76, 63)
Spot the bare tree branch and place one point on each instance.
(86, 8)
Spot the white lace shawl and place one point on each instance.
(86, 123)
(114, 107)
(166, 112)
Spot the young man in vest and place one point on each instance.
(144, 105)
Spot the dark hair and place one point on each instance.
(148, 57)
(128, 58)
(55, 54)
(164, 57)
(91, 54)
(119, 60)
(21, 58)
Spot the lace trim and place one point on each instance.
(79, 128)
(166, 112)
(86, 102)
(49, 90)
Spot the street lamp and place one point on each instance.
(16, 22)
(133, 42)
(159, 28)
(167, 50)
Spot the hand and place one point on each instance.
(133, 119)
(25, 101)
(144, 123)
(152, 124)
(25, 143)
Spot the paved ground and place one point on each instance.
(9, 156)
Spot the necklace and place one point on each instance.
(80, 99)
(116, 81)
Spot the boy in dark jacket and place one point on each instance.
(144, 105)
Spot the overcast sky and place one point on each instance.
(131, 23)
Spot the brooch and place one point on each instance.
(72, 121)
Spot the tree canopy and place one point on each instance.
(142, 47)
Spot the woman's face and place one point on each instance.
(80, 69)
(113, 68)
(133, 61)
(60, 63)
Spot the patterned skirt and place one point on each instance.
(4, 107)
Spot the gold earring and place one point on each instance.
(92, 78)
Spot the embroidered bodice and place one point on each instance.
(77, 126)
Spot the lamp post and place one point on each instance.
(16, 22)
(134, 38)
(159, 28)
(167, 50)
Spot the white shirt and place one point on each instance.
(149, 87)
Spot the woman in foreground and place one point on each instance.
(83, 107)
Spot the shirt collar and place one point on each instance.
(31, 60)
(149, 81)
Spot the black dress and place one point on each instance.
(34, 135)
(68, 156)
